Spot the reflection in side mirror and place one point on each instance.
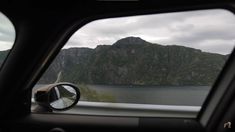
(60, 96)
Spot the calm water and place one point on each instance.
(166, 95)
(162, 95)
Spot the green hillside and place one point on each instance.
(135, 61)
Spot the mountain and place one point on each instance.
(3, 55)
(135, 61)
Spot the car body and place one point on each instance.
(42, 32)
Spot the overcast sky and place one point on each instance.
(7, 33)
(208, 30)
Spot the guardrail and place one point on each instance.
(131, 110)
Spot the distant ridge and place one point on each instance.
(134, 61)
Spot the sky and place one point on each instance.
(208, 30)
(7, 33)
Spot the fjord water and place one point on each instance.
(161, 95)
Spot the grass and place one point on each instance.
(91, 95)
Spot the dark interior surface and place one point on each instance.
(46, 122)
(40, 34)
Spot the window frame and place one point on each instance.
(202, 115)
(30, 77)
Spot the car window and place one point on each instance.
(168, 59)
(7, 37)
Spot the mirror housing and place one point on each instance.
(58, 96)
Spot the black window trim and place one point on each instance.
(203, 117)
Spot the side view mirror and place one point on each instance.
(59, 96)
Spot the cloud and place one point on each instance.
(7, 33)
(5, 45)
(208, 30)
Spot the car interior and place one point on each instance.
(41, 31)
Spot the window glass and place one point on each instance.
(160, 59)
(7, 37)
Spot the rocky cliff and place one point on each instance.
(135, 61)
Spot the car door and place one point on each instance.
(42, 32)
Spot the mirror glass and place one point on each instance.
(62, 96)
